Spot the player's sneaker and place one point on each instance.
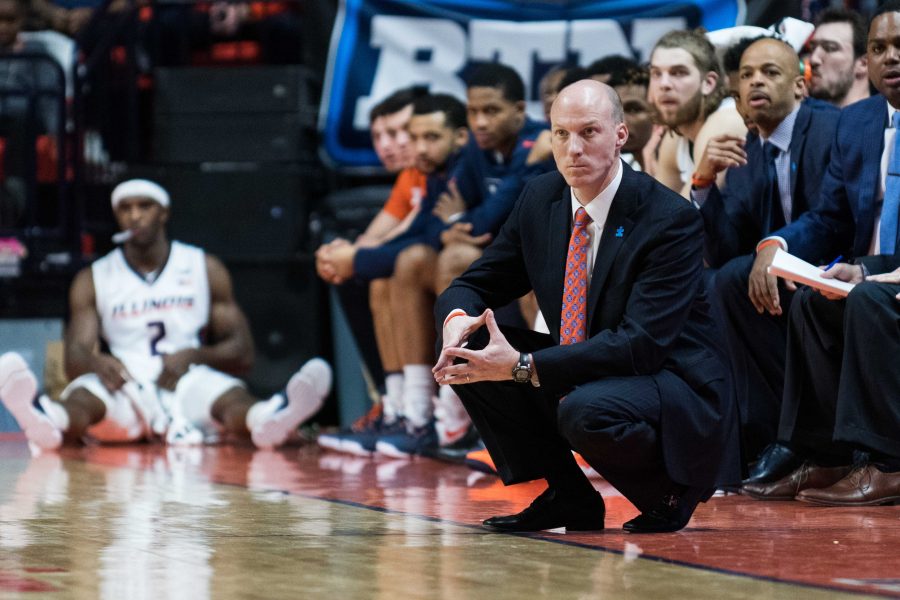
(371, 421)
(455, 436)
(454, 448)
(362, 443)
(409, 442)
(182, 433)
(280, 416)
(360, 438)
(18, 391)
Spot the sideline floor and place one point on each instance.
(229, 522)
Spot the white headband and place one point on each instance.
(140, 188)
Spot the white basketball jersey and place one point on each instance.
(141, 320)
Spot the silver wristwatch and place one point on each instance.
(523, 370)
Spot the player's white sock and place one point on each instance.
(393, 397)
(418, 388)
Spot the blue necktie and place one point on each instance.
(891, 204)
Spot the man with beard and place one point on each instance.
(687, 89)
(838, 58)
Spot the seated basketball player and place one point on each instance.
(174, 333)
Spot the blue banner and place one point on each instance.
(379, 46)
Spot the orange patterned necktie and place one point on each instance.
(573, 325)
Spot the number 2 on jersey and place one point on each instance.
(158, 332)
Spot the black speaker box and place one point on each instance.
(237, 214)
(241, 114)
(248, 137)
(255, 89)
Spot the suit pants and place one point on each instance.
(756, 349)
(842, 388)
(612, 422)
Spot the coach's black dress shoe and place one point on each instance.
(776, 461)
(550, 511)
(671, 514)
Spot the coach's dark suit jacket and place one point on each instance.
(843, 220)
(647, 312)
(738, 217)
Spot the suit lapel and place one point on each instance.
(871, 161)
(616, 230)
(560, 227)
(798, 140)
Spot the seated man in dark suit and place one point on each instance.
(840, 412)
(629, 376)
(856, 216)
(772, 179)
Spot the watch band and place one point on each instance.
(522, 371)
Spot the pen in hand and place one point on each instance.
(834, 262)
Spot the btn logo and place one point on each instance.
(380, 46)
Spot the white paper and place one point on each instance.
(790, 267)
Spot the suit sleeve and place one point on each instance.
(489, 215)
(657, 308)
(828, 226)
(495, 279)
(881, 263)
(724, 233)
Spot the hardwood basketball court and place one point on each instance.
(145, 521)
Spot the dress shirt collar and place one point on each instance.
(891, 111)
(598, 208)
(781, 137)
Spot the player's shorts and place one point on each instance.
(131, 410)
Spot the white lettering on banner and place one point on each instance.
(416, 50)
(518, 45)
(646, 32)
(596, 38)
(401, 40)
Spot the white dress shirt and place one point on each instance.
(597, 209)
